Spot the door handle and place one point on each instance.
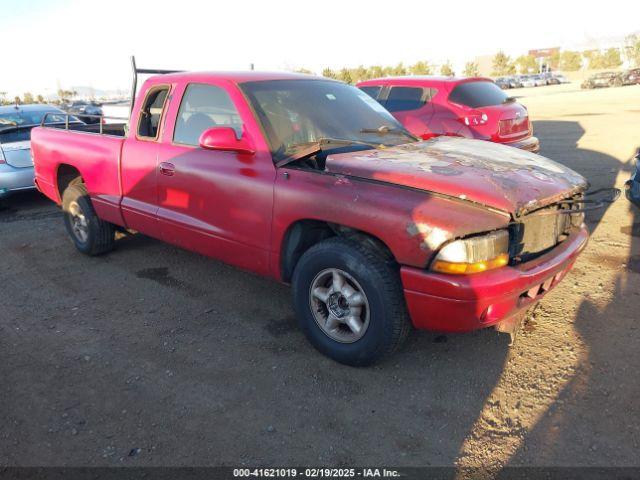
(167, 168)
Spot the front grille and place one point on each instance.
(540, 231)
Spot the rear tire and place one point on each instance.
(349, 302)
(90, 234)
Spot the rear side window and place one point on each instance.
(371, 91)
(203, 107)
(478, 94)
(405, 98)
(151, 113)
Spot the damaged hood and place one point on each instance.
(490, 174)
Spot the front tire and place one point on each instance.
(349, 302)
(90, 234)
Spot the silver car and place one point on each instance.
(16, 122)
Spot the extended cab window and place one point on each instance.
(203, 107)
(371, 91)
(152, 112)
(405, 98)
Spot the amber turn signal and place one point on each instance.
(468, 268)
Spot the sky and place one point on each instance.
(63, 43)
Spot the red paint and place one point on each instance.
(508, 123)
(458, 303)
(235, 205)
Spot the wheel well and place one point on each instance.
(66, 175)
(303, 234)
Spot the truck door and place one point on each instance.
(217, 203)
(139, 167)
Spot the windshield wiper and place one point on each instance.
(385, 129)
(509, 100)
(302, 150)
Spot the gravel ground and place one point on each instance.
(152, 355)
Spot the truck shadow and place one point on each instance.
(594, 416)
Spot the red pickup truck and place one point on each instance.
(312, 182)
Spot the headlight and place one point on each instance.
(474, 254)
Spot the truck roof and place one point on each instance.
(235, 77)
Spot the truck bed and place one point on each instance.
(59, 152)
(114, 129)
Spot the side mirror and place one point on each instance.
(225, 139)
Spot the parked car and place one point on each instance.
(549, 78)
(16, 123)
(88, 112)
(629, 77)
(463, 107)
(529, 81)
(561, 78)
(503, 83)
(599, 80)
(286, 176)
(632, 187)
(514, 81)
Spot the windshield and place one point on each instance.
(19, 117)
(300, 112)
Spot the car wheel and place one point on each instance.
(349, 302)
(90, 234)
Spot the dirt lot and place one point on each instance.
(155, 356)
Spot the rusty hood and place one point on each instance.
(486, 173)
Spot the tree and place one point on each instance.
(360, 73)
(420, 68)
(502, 65)
(399, 70)
(3, 97)
(593, 58)
(570, 61)
(632, 49)
(447, 70)
(327, 72)
(527, 64)
(553, 62)
(471, 70)
(40, 99)
(376, 71)
(611, 58)
(28, 98)
(297, 70)
(17, 100)
(345, 75)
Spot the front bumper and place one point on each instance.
(530, 144)
(13, 179)
(462, 303)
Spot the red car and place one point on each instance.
(458, 107)
(311, 182)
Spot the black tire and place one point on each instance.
(100, 235)
(379, 278)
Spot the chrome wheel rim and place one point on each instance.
(79, 223)
(339, 305)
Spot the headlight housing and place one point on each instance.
(473, 254)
